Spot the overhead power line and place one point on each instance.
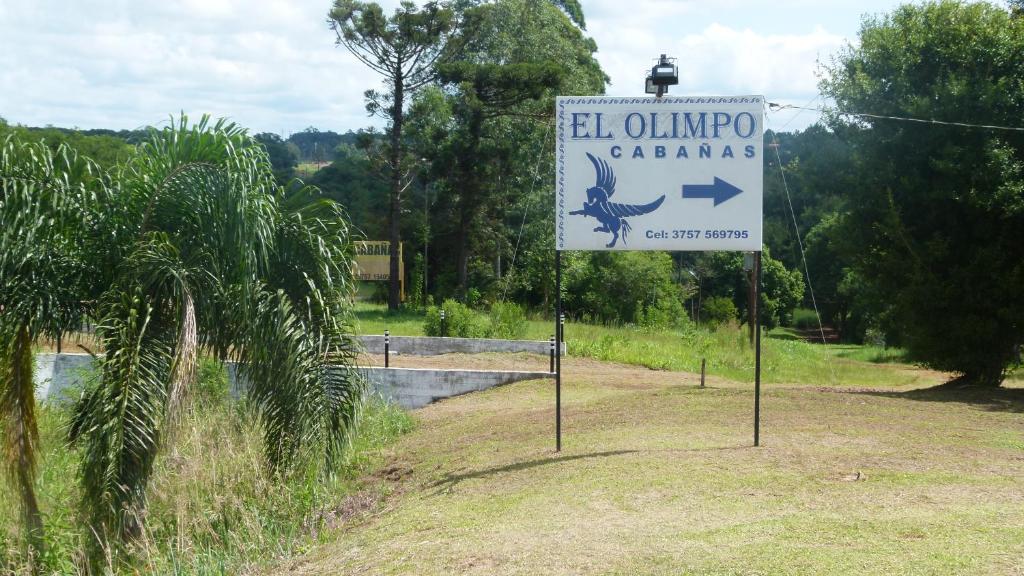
(774, 107)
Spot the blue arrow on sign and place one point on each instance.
(720, 191)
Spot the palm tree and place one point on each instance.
(45, 197)
(209, 253)
(190, 246)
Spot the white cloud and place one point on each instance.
(272, 65)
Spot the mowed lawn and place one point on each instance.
(658, 476)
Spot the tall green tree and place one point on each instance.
(404, 49)
(485, 92)
(939, 214)
(513, 152)
(819, 173)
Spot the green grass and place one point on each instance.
(786, 358)
(804, 318)
(658, 476)
(728, 354)
(376, 318)
(1016, 374)
(212, 507)
(873, 354)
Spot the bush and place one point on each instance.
(804, 319)
(380, 293)
(874, 337)
(718, 310)
(508, 321)
(624, 288)
(473, 297)
(211, 386)
(459, 321)
(665, 312)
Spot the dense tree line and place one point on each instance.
(935, 226)
(106, 147)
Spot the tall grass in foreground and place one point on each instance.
(213, 508)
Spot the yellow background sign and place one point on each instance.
(373, 261)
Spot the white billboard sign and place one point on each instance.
(659, 173)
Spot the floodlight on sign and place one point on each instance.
(664, 73)
(651, 88)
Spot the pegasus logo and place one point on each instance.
(611, 215)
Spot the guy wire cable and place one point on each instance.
(800, 243)
(526, 208)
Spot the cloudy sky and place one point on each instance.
(272, 65)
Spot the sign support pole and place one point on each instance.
(558, 350)
(757, 349)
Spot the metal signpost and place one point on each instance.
(667, 173)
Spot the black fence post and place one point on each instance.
(444, 330)
(387, 349)
(702, 364)
(552, 355)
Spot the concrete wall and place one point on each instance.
(59, 375)
(416, 387)
(432, 346)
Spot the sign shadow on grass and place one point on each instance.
(450, 480)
